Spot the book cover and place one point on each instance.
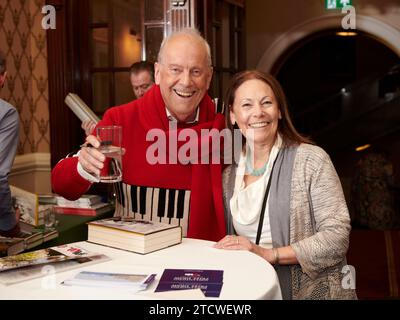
(43, 256)
(209, 290)
(137, 282)
(14, 276)
(208, 281)
(141, 227)
(28, 204)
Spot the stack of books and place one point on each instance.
(28, 238)
(86, 201)
(208, 281)
(36, 236)
(87, 205)
(134, 235)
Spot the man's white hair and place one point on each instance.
(191, 32)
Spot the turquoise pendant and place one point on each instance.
(254, 172)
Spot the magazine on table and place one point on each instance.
(30, 265)
(43, 256)
(136, 282)
(208, 281)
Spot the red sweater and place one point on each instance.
(206, 218)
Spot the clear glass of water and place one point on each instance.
(110, 138)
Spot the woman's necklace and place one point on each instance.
(250, 170)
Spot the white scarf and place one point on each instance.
(246, 201)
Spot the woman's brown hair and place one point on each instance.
(289, 134)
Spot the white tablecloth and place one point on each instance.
(246, 275)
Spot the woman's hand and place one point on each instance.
(237, 243)
(242, 243)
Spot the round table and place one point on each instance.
(246, 275)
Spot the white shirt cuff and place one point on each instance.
(86, 175)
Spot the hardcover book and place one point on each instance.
(136, 282)
(28, 238)
(208, 281)
(11, 246)
(26, 266)
(134, 235)
(95, 210)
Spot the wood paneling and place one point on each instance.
(65, 76)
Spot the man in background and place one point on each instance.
(9, 132)
(141, 75)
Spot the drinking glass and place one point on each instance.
(110, 138)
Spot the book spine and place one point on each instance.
(75, 211)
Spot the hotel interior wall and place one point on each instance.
(31, 169)
(24, 41)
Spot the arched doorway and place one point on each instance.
(338, 89)
(374, 27)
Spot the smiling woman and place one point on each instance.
(283, 200)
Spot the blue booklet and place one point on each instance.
(208, 281)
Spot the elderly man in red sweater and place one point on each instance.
(177, 192)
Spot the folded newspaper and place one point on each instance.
(80, 108)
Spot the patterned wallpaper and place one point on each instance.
(23, 40)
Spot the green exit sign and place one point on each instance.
(337, 4)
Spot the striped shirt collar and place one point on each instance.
(172, 118)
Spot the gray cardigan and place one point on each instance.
(308, 212)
